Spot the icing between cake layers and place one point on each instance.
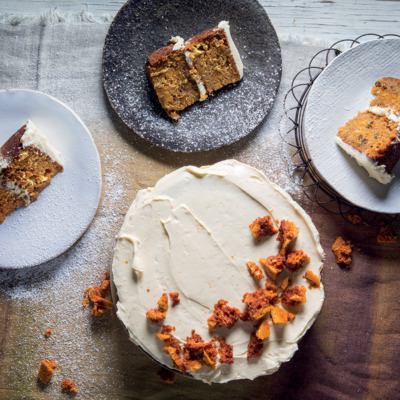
(189, 234)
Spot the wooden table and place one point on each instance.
(351, 351)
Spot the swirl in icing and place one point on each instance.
(190, 234)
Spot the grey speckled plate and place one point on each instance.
(142, 26)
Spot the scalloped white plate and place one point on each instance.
(49, 226)
(343, 89)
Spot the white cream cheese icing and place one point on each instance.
(32, 136)
(189, 234)
(179, 42)
(374, 170)
(386, 112)
(236, 56)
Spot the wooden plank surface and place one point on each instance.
(325, 19)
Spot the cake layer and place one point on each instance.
(190, 234)
(210, 55)
(172, 81)
(387, 92)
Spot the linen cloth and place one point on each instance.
(351, 351)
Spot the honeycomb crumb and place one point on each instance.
(223, 316)
(46, 370)
(166, 376)
(263, 331)
(281, 316)
(355, 219)
(254, 270)
(273, 265)
(255, 347)
(97, 297)
(68, 386)
(257, 304)
(342, 251)
(159, 314)
(288, 231)
(295, 259)
(386, 235)
(312, 278)
(294, 297)
(174, 298)
(47, 332)
(262, 227)
(225, 351)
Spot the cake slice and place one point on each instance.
(171, 78)
(185, 72)
(214, 57)
(27, 164)
(372, 138)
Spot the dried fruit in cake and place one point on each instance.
(27, 165)
(186, 72)
(342, 250)
(262, 227)
(46, 370)
(372, 138)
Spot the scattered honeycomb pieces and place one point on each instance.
(97, 296)
(254, 270)
(294, 297)
(224, 315)
(342, 251)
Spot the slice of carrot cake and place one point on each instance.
(27, 164)
(372, 138)
(185, 72)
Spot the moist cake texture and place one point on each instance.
(372, 138)
(186, 72)
(27, 165)
(175, 240)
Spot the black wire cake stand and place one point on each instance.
(300, 166)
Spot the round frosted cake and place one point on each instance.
(217, 272)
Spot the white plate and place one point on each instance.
(343, 89)
(49, 226)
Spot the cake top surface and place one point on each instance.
(190, 234)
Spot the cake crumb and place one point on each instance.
(263, 331)
(295, 259)
(255, 347)
(174, 296)
(68, 386)
(46, 370)
(294, 297)
(312, 278)
(281, 316)
(97, 296)
(342, 250)
(166, 376)
(262, 227)
(254, 270)
(273, 265)
(223, 315)
(225, 351)
(386, 235)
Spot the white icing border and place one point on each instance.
(375, 171)
(235, 53)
